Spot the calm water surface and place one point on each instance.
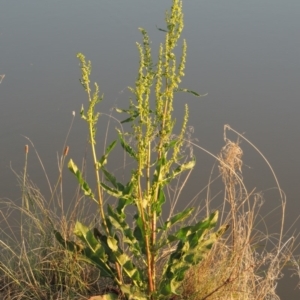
(244, 54)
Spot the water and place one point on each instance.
(244, 54)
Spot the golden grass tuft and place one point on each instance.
(246, 263)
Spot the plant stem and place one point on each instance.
(100, 195)
(24, 198)
(147, 246)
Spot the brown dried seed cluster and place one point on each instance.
(230, 159)
(66, 151)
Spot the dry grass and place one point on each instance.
(32, 263)
(34, 266)
(247, 263)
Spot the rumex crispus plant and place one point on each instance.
(127, 250)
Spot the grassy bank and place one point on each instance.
(35, 266)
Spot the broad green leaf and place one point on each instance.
(126, 146)
(83, 184)
(174, 173)
(97, 251)
(129, 268)
(86, 254)
(178, 218)
(103, 159)
(186, 166)
(125, 200)
(195, 242)
(181, 234)
(96, 248)
(94, 259)
(111, 191)
(69, 245)
(110, 252)
(201, 226)
(207, 223)
(118, 221)
(139, 233)
(112, 243)
(133, 293)
(115, 218)
(87, 236)
(112, 179)
(132, 271)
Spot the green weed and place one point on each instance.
(129, 249)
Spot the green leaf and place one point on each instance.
(137, 276)
(96, 252)
(207, 223)
(195, 242)
(93, 254)
(171, 144)
(103, 160)
(111, 191)
(157, 173)
(186, 166)
(69, 245)
(133, 114)
(126, 198)
(183, 233)
(82, 113)
(130, 119)
(117, 219)
(112, 179)
(119, 110)
(93, 259)
(124, 201)
(157, 205)
(126, 146)
(110, 296)
(87, 236)
(107, 250)
(178, 218)
(112, 243)
(139, 233)
(203, 225)
(192, 92)
(160, 29)
(133, 293)
(83, 184)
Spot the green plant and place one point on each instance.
(146, 255)
(157, 153)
